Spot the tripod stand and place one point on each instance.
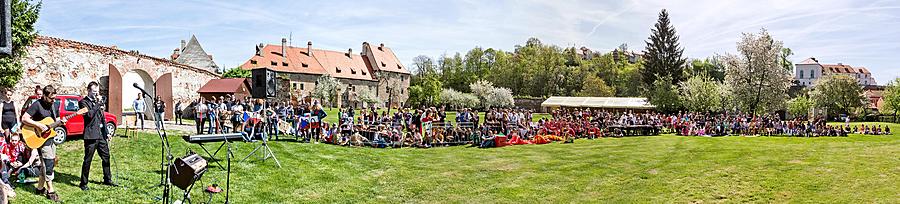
(264, 145)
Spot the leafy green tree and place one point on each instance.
(236, 72)
(664, 96)
(416, 96)
(891, 97)
(799, 107)
(431, 91)
(24, 14)
(663, 53)
(838, 94)
(700, 94)
(786, 63)
(595, 87)
(709, 67)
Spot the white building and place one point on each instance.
(808, 71)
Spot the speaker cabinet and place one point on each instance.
(264, 83)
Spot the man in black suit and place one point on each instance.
(96, 137)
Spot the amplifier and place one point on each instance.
(184, 171)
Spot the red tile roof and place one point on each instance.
(385, 59)
(230, 85)
(297, 60)
(351, 66)
(339, 64)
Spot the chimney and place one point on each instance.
(175, 54)
(284, 49)
(182, 44)
(210, 57)
(259, 49)
(840, 64)
(350, 53)
(309, 51)
(381, 47)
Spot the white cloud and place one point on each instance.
(860, 33)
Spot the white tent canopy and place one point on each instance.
(597, 102)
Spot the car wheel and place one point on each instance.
(61, 135)
(111, 129)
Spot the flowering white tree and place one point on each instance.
(491, 96)
(326, 89)
(367, 96)
(756, 78)
(456, 99)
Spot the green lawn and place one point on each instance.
(656, 169)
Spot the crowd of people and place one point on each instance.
(428, 127)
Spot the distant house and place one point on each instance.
(237, 87)
(808, 71)
(192, 54)
(375, 70)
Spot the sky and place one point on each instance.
(857, 33)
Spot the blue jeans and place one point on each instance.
(212, 124)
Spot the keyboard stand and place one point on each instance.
(213, 156)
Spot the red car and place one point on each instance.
(68, 104)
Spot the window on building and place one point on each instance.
(304, 64)
(352, 71)
(336, 69)
(284, 64)
(253, 62)
(812, 74)
(801, 74)
(301, 86)
(274, 63)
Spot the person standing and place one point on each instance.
(178, 113)
(8, 117)
(96, 138)
(160, 108)
(138, 105)
(200, 113)
(38, 111)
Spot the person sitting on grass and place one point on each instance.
(358, 140)
(487, 140)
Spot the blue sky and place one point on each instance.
(858, 33)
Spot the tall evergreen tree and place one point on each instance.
(662, 57)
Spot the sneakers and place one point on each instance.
(53, 196)
(110, 183)
(83, 187)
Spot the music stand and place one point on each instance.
(264, 145)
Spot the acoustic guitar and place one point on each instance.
(33, 136)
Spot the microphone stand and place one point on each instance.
(165, 152)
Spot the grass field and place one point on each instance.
(655, 169)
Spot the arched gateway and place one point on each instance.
(71, 65)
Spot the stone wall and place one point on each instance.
(530, 104)
(71, 65)
(398, 83)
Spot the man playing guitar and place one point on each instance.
(38, 111)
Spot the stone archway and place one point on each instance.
(121, 92)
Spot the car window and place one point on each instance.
(71, 105)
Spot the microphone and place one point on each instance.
(142, 90)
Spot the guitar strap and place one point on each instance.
(54, 111)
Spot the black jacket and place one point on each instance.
(94, 119)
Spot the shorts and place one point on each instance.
(48, 151)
